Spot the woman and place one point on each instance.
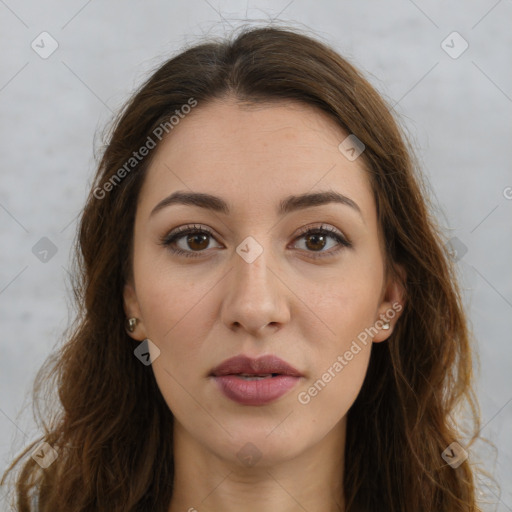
(269, 318)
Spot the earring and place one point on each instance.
(386, 326)
(131, 323)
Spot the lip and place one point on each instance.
(227, 375)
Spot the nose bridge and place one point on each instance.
(254, 298)
(253, 282)
(252, 273)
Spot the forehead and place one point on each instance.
(255, 153)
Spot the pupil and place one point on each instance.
(192, 238)
(317, 236)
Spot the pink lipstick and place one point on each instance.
(258, 381)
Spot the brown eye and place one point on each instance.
(315, 241)
(188, 240)
(197, 242)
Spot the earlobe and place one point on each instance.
(392, 305)
(133, 321)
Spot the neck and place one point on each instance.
(206, 482)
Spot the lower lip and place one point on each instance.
(255, 392)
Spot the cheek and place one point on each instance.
(171, 298)
(344, 306)
(340, 349)
(332, 391)
(178, 326)
(177, 316)
(327, 400)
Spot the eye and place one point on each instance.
(317, 239)
(196, 238)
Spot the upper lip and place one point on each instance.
(261, 366)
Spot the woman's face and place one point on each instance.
(253, 282)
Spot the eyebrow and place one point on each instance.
(287, 205)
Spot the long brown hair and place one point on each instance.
(113, 432)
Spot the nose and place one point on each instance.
(256, 298)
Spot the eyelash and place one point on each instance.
(172, 237)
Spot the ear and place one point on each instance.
(132, 310)
(392, 304)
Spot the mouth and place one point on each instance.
(263, 367)
(258, 381)
(248, 376)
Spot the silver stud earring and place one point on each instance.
(386, 326)
(131, 323)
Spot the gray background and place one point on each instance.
(457, 112)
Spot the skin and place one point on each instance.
(202, 310)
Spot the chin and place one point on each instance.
(259, 444)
